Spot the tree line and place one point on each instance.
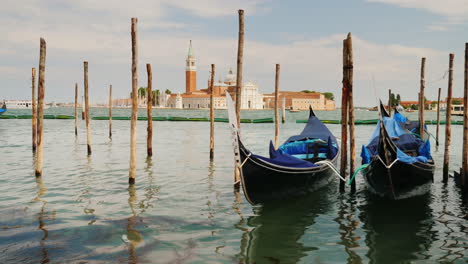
(327, 95)
(143, 91)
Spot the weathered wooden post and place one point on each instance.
(438, 118)
(212, 113)
(240, 55)
(344, 116)
(464, 174)
(390, 101)
(83, 117)
(76, 109)
(110, 111)
(421, 96)
(88, 125)
(448, 121)
(283, 117)
(349, 84)
(40, 107)
(149, 111)
(133, 135)
(276, 106)
(34, 111)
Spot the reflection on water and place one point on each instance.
(278, 228)
(453, 242)
(133, 238)
(347, 214)
(397, 231)
(183, 208)
(40, 218)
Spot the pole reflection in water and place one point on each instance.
(241, 225)
(135, 225)
(41, 191)
(85, 196)
(452, 247)
(211, 190)
(397, 231)
(279, 226)
(132, 238)
(347, 226)
(150, 188)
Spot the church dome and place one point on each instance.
(230, 77)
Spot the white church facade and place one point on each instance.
(251, 98)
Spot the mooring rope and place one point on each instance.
(248, 156)
(356, 172)
(389, 166)
(334, 169)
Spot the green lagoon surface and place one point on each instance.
(182, 208)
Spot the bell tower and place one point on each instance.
(190, 72)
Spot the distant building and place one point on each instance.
(428, 104)
(300, 101)
(251, 97)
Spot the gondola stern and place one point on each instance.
(383, 111)
(311, 111)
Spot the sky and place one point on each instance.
(305, 37)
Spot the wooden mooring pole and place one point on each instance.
(82, 108)
(212, 113)
(283, 108)
(40, 108)
(448, 120)
(240, 55)
(86, 95)
(149, 111)
(276, 106)
(110, 111)
(464, 174)
(34, 111)
(438, 117)
(344, 116)
(76, 109)
(390, 102)
(133, 134)
(421, 95)
(349, 84)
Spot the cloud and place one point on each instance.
(99, 32)
(215, 8)
(454, 11)
(439, 27)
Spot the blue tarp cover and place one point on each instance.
(315, 132)
(403, 139)
(314, 129)
(305, 148)
(400, 118)
(285, 160)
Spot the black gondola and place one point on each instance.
(290, 172)
(399, 166)
(411, 125)
(384, 111)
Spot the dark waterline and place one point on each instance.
(183, 210)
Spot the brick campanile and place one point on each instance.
(190, 72)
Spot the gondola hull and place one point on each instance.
(263, 181)
(400, 181)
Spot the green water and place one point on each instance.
(183, 208)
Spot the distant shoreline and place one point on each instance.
(167, 108)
